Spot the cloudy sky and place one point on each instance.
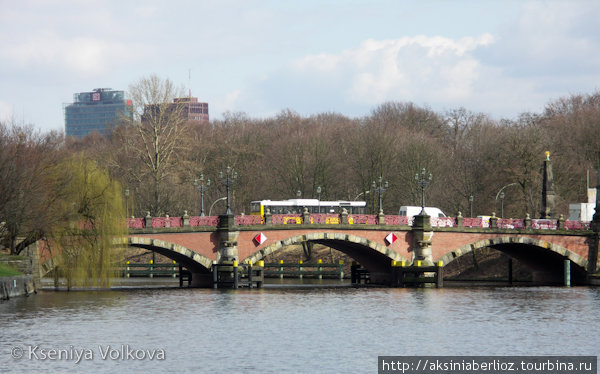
(259, 57)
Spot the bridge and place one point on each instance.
(548, 246)
(372, 240)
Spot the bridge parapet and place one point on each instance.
(362, 219)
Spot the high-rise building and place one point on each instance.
(195, 111)
(188, 109)
(99, 110)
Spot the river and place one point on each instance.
(280, 329)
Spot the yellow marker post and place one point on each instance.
(320, 268)
(280, 269)
(261, 263)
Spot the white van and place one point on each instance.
(411, 211)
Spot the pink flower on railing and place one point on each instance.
(204, 221)
(396, 220)
(175, 221)
(135, 223)
(286, 219)
(544, 224)
(251, 220)
(158, 222)
(510, 223)
(472, 222)
(363, 219)
(443, 221)
(325, 219)
(577, 225)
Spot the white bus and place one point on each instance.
(295, 206)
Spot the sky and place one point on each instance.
(259, 57)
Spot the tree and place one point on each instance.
(154, 140)
(28, 191)
(83, 244)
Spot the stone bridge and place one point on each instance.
(373, 241)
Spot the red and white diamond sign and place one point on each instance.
(391, 238)
(260, 238)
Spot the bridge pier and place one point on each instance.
(422, 235)
(228, 236)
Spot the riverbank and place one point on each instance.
(16, 285)
(16, 276)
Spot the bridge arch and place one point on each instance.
(370, 254)
(193, 261)
(541, 255)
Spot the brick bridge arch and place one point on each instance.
(192, 260)
(375, 256)
(511, 245)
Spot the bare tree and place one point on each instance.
(155, 139)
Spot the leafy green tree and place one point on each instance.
(83, 244)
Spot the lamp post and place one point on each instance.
(126, 202)
(471, 203)
(202, 188)
(213, 204)
(319, 197)
(500, 195)
(380, 190)
(423, 181)
(228, 180)
(364, 192)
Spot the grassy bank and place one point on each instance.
(8, 271)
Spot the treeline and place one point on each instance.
(468, 154)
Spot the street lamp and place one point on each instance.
(423, 181)
(319, 198)
(213, 204)
(380, 190)
(471, 203)
(126, 202)
(500, 195)
(364, 192)
(202, 188)
(228, 180)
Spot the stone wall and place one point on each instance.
(18, 285)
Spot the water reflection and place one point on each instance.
(299, 329)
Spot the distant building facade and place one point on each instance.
(188, 108)
(99, 110)
(194, 110)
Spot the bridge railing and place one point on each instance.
(358, 219)
(510, 223)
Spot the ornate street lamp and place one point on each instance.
(380, 190)
(228, 180)
(423, 181)
(202, 188)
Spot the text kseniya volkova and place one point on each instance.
(117, 353)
